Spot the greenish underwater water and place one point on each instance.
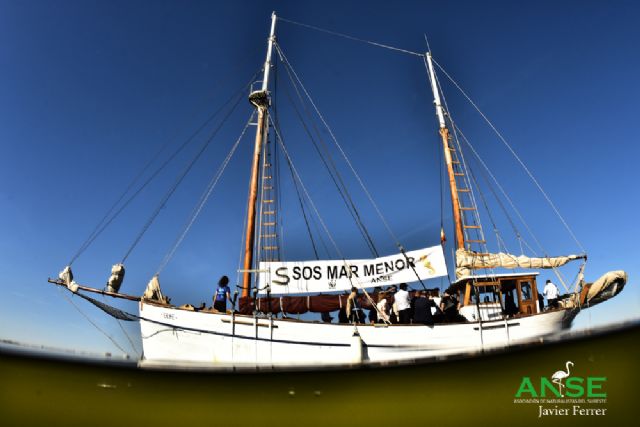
(477, 391)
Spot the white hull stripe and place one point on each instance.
(312, 343)
(486, 328)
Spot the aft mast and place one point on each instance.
(260, 99)
(444, 133)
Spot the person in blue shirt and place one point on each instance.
(222, 295)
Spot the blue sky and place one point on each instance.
(92, 89)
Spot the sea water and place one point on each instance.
(44, 391)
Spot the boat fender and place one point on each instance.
(116, 278)
(357, 350)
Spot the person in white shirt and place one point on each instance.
(403, 302)
(383, 308)
(354, 311)
(551, 293)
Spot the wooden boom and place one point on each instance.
(96, 291)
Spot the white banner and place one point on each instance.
(300, 277)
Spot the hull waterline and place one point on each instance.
(177, 337)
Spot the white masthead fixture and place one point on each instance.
(436, 93)
(267, 62)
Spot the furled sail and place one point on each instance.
(607, 286)
(467, 261)
(302, 277)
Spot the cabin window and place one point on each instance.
(488, 294)
(525, 288)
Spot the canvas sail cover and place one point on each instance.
(467, 261)
(607, 286)
(116, 278)
(302, 277)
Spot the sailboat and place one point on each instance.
(495, 309)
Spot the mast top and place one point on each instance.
(260, 98)
(436, 92)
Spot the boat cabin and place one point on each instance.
(496, 295)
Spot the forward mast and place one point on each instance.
(260, 99)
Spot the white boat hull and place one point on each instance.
(175, 337)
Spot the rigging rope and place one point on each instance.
(329, 164)
(504, 141)
(241, 255)
(346, 159)
(126, 334)
(504, 194)
(175, 186)
(485, 171)
(455, 131)
(304, 189)
(100, 228)
(94, 233)
(344, 155)
(258, 248)
(316, 227)
(281, 142)
(302, 209)
(335, 33)
(501, 243)
(511, 203)
(119, 322)
(203, 198)
(284, 150)
(465, 169)
(113, 341)
(275, 160)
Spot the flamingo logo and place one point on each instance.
(427, 264)
(558, 376)
(562, 383)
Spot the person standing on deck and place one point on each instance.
(422, 309)
(383, 308)
(221, 295)
(354, 311)
(393, 307)
(551, 292)
(404, 304)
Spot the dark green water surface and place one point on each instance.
(471, 392)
